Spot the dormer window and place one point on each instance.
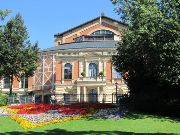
(102, 32)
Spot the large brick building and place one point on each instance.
(77, 62)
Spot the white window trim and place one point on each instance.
(20, 86)
(2, 85)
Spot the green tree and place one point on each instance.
(150, 47)
(3, 14)
(18, 56)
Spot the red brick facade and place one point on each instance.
(58, 76)
(109, 71)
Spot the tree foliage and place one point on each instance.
(150, 47)
(3, 14)
(18, 56)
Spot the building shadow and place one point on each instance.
(138, 115)
(65, 132)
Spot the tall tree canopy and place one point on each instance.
(3, 14)
(150, 47)
(18, 56)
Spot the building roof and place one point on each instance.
(60, 34)
(83, 45)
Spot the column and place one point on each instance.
(80, 68)
(101, 69)
(104, 68)
(99, 66)
(98, 94)
(85, 94)
(78, 93)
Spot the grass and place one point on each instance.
(131, 125)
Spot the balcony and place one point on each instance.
(91, 81)
(94, 38)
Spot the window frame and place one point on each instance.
(68, 76)
(96, 74)
(22, 81)
(4, 84)
(102, 32)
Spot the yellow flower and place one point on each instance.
(27, 124)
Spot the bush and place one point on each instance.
(3, 99)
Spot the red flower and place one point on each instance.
(76, 108)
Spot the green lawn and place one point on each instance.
(131, 125)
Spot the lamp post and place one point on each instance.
(116, 92)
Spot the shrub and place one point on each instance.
(3, 99)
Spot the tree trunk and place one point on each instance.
(11, 84)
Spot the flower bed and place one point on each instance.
(77, 108)
(35, 115)
(29, 124)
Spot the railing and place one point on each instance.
(94, 38)
(22, 99)
(67, 98)
(92, 79)
(101, 98)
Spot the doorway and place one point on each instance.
(92, 96)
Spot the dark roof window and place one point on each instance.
(103, 32)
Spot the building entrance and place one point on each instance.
(92, 96)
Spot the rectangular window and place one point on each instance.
(24, 82)
(6, 84)
(116, 74)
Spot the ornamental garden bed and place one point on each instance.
(36, 115)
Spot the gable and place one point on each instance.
(100, 23)
(86, 24)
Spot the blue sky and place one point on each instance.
(44, 18)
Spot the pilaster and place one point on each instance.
(85, 94)
(78, 93)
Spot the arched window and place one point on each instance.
(67, 71)
(116, 74)
(103, 32)
(92, 70)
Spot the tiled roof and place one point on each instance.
(83, 45)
